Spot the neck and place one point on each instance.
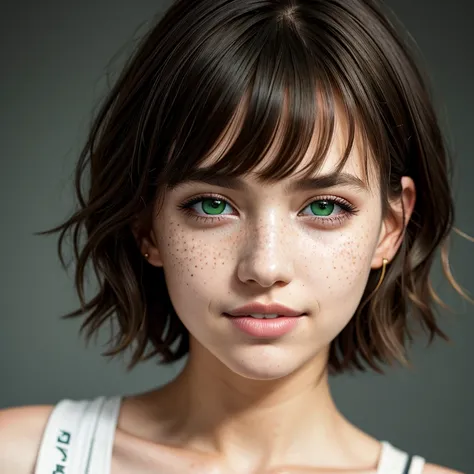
(263, 422)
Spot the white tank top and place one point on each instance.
(79, 438)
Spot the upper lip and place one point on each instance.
(260, 308)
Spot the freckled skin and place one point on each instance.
(264, 249)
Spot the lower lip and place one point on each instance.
(265, 328)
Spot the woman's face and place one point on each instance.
(311, 250)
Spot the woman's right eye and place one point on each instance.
(212, 206)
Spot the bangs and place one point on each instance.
(275, 99)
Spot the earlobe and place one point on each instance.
(395, 223)
(391, 236)
(152, 255)
(148, 246)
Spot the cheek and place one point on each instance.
(345, 255)
(349, 262)
(194, 265)
(343, 261)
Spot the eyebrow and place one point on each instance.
(203, 175)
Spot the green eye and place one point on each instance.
(213, 206)
(322, 208)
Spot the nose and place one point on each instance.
(267, 255)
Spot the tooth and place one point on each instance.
(264, 316)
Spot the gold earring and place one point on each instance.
(382, 276)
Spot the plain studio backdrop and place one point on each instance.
(54, 62)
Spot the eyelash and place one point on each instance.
(347, 209)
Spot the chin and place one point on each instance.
(264, 362)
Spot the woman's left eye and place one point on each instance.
(324, 208)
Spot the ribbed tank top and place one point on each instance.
(79, 438)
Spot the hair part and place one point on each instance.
(282, 68)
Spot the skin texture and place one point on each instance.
(257, 404)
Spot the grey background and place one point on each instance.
(54, 57)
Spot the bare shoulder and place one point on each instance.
(435, 469)
(21, 431)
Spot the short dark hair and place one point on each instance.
(173, 102)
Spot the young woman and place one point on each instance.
(267, 187)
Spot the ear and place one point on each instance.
(394, 225)
(147, 243)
